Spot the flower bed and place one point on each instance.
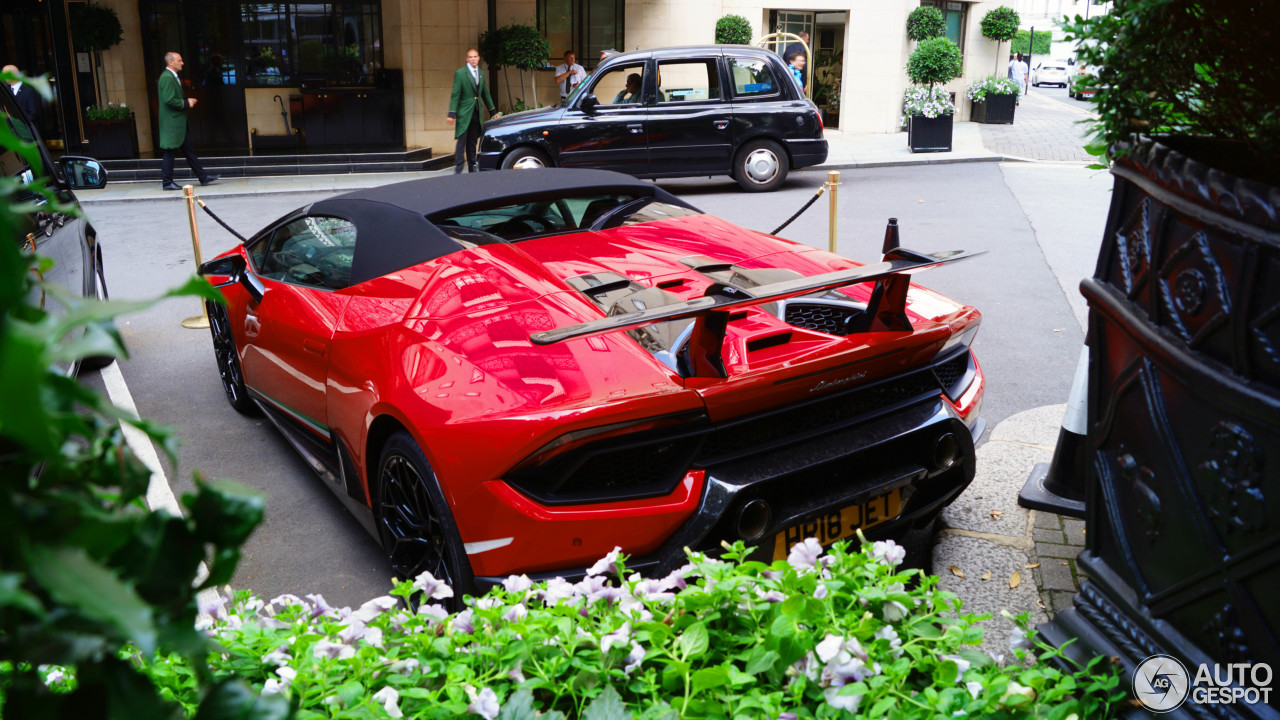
(818, 636)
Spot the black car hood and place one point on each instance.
(541, 116)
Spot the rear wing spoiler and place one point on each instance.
(886, 311)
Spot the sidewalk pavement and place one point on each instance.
(993, 554)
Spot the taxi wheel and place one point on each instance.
(526, 158)
(224, 351)
(760, 166)
(413, 522)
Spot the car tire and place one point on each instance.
(97, 362)
(526, 158)
(760, 166)
(224, 351)
(413, 521)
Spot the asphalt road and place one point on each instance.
(1039, 224)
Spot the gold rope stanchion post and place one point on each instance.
(833, 181)
(201, 321)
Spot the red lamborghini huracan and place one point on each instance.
(514, 372)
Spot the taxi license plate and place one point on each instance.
(841, 524)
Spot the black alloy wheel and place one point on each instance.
(760, 166)
(224, 351)
(413, 524)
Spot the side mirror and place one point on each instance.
(82, 173)
(588, 103)
(233, 268)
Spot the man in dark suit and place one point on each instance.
(469, 88)
(173, 125)
(27, 98)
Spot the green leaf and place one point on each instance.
(76, 580)
(225, 512)
(946, 672)
(235, 700)
(761, 660)
(707, 678)
(694, 641)
(606, 706)
(350, 692)
(518, 707)
(13, 596)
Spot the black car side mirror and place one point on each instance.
(82, 173)
(588, 103)
(234, 268)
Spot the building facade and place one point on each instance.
(377, 74)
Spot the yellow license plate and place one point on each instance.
(841, 524)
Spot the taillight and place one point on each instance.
(821, 125)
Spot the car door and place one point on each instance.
(288, 333)
(764, 102)
(690, 122)
(609, 135)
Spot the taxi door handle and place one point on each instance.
(315, 347)
(721, 124)
(635, 128)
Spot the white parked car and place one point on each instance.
(1051, 72)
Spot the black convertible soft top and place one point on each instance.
(393, 226)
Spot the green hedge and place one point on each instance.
(1044, 41)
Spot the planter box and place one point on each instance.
(926, 134)
(112, 139)
(996, 110)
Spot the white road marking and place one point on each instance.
(159, 495)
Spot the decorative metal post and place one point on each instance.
(201, 321)
(833, 181)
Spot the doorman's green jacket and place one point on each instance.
(465, 101)
(173, 112)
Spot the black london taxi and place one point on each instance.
(673, 112)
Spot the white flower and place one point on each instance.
(621, 636)
(1016, 689)
(273, 686)
(888, 552)
(375, 607)
(488, 602)
(820, 592)
(895, 643)
(517, 673)
(556, 589)
(653, 591)
(842, 702)
(217, 607)
(1019, 640)
(974, 688)
(431, 587)
(54, 676)
(676, 578)
(633, 658)
(605, 564)
(390, 700)
(829, 647)
(517, 613)
(404, 667)
(517, 583)
(462, 622)
(773, 596)
(279, 656)
(804, 555)
(333, 650)
(894, 611)
(433, 613)
(485, 703)
(287, 673)
(319, 606)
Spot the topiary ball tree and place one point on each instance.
(925, 22)
(935, 61)
(733, 30)
(1000, 25)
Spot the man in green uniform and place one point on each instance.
(469, 88)
(173, 125)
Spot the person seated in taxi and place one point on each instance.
(631, 93)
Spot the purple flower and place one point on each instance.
(517, 584)
(894, 611)
(333, 650)
(676, 578)
(431, 587)
(433, 613)
(1019, 640)
(804, 555)
(462, 622)
(773, 596)
(375, 607)
(820, 592)
(788, 716)
(390, 700)
(485, 703)
(517, 673)
(842, 702)
(320, 607)
(888, 552)
(633, 658)
(606, 564)
(621, 636)
(834, 647)
(279, 656)
(215, 606)
(517, 613)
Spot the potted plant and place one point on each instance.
(1183, 479)
(927, 108)
(111, 130)
(733, 30)
(992, 100)
(1000, 24)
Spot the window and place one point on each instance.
(953, 13)
(621, 86)
(688, 81)
(285, 43)
(586, 27)
(315, 250)
(752, 77)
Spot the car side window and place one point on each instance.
(316, 251)
(752, 77)
(688, 81)
(621, 86)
